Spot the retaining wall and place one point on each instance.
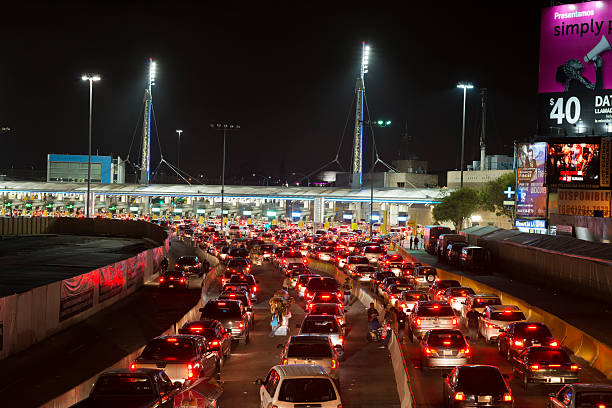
(596, 353)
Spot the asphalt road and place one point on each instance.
(366, 374)
(54, 366)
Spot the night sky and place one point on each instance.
(286, 74)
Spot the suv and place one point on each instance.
(521, 335)
(246, 279)
(320, 284)
(238, 266)
(230, 313)
(496, 319)
(312, 349)
(325, 325)
(430, 315)
(474, 305)
(298, 385)
(437, 289)
(423, 276)
(190, 264)
(374, 253)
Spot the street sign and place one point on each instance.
(506, 202)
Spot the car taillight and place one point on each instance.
(534, 367)
(334, 364)
(574, 367)
(519, 343)
(182, 280)
(176, 265)
(454, 321)
(341, 340)
(404, 305)
(254, 288)
(430, 350)
(459, 396)
(466, 350)
(132, 366)
(554, 343)
(215, 343)
(285, 361)
(418, 322)
(241, 325)
(161, 279)
(507, 397)
(189, 371)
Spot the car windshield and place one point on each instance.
(320, 326)
(221, 310)
(439, 311)
(480, 302)
(508, 316)
(127, 385)
(312, 350)
(481, 380)
(169, 349)
(532, 331)
(549, 356)
(324, 309)
(591, 399)
(445, 340)
(300, 390)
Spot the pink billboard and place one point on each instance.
(575, 47)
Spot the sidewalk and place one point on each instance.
(588, 315)
(57, 364)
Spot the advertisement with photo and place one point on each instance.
(574, 83)
(574, 164)
(531, 177)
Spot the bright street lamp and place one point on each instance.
(178, 155)
(91, 78)
(465, 86)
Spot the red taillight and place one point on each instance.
(430, 350)
(454, 321)
(196, 329)
(518, 343)
(285, 361)
(554, 344)
(132, 366)
(161, 279)
(215, 344)
(182, 280)
(341, 340)
(254, 288)
(466, 350)
(418, 322)
(535, 367)
(574, 367)
(459, 396)
(507, 397)
(176, 265)
(334, 364)
(241, 325)
(189, 371)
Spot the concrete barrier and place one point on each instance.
(596, 353)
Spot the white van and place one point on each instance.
(289, 386)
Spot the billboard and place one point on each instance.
(584, 202)
(574, 164)
(575, 59)
(531, 177)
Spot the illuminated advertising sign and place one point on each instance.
(584, 202)
(574, 164)
(575, 55)
(531, 176)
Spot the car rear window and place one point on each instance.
(481, 380)
(373, 250)
(221, 310)
(414, 296)
(461, 292)
(549, 356)
(508, 316)
(432, 311)
(237, 263)
(239, 252)
(169, 349)
(312, 350)
(425, 271)
(320, 326)
(358, 260)
(302, 390)
(480, 302)
(365, 269)
(532, 331)
(128, 384)
(322, 285)
(324, 309)
(446, 340)
(242, 279)
(593, 399)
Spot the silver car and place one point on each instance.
(444, 348)
(312, 349)
(430, 315)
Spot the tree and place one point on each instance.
(457, 206)
(492, 195)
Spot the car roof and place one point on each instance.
(591, 387)
(206, 323)
(178, 336)
(319, 317)
(498, 308)
(146, 371)
(484, 295)
(478, 366)
(300, 370)
(309, 338)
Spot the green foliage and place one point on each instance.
(492, 195)
(457, 206)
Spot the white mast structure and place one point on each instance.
(357, 165)
(145, 161)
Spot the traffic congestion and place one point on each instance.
(280, 329)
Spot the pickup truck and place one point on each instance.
(125, 388)
(184, 358)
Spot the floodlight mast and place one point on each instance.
(357, 165)
(145, 162)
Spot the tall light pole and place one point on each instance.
(178, 155)
(223, 127)
(357, 165)
(465, 87)
(378, 123)
(91, 78)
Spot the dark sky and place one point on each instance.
(285, 74)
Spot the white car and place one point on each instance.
(294, 385)
(496, 318)
(456, 296)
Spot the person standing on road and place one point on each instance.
(348, 288)
(401, 321)
(286, 283)
(411, 241)
(416, 242)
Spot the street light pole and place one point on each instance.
(465, 87)
(223, 127)
(178, 155)
(91, 79)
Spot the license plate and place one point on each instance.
(485, 398)
(555, 379)
(171, 286)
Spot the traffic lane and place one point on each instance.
(366, 374)
(427, 385)
(82, 351)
